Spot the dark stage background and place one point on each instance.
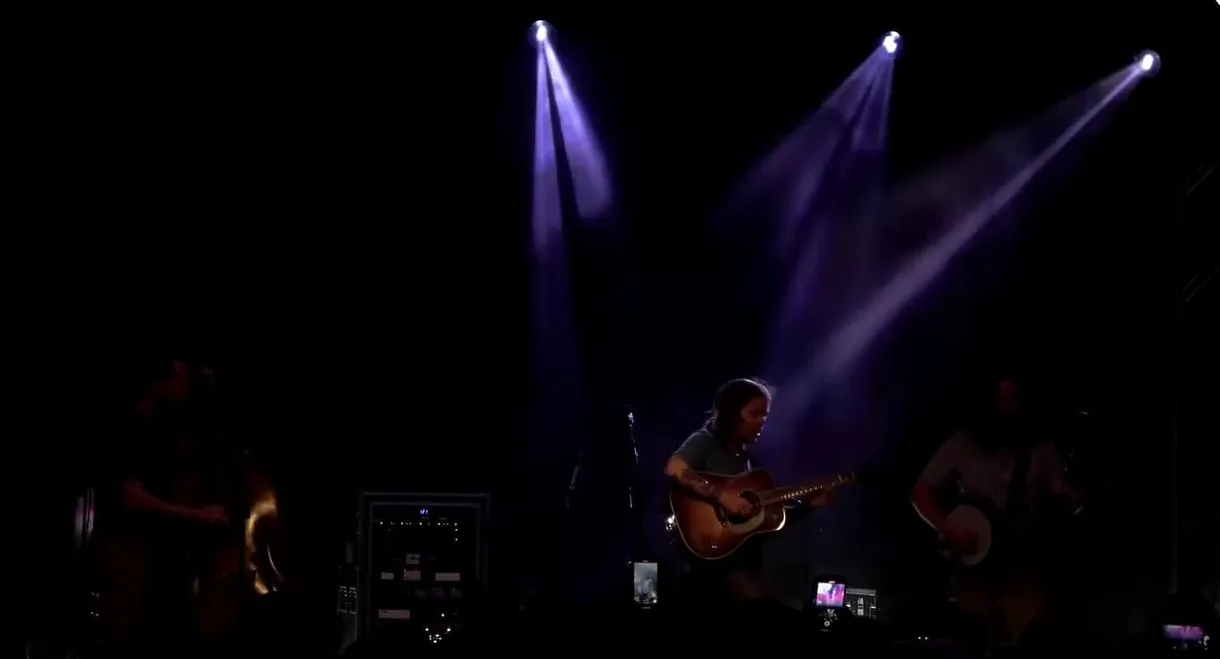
(333, 209)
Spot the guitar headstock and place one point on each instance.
(872, 473)
(832, 481)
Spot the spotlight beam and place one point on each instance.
(540, 32)
(1148, 63)
(586, 158)
(891, 42)
(857, 332)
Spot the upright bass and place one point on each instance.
(221, 571)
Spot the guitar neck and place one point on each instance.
(797, 492)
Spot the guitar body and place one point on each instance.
(706, 532)
(214, 571)
(219, 592)
(135, 573)
(122, 580)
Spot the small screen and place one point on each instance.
(830, 594)
(1186, 636)
(645, 583)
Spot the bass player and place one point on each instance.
(739, 413)
(1002, 464)
(166, 489)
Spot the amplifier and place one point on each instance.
(422, 556)
(862, 602)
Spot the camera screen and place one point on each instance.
(1185, 636)
(830, 594)
(645, 583)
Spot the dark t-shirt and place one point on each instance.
(704, 453)
(170, 466)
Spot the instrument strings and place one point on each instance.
(787, 493)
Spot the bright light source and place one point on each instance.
(891, 42)
(1148, 63)
(540, 31)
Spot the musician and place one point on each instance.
(164, 491)
(721, 446)
(981, 465)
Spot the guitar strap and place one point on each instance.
(1020, 475)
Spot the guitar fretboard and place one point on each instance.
(785, 494)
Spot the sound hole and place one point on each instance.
(754, 499)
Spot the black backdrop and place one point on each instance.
(295, 195)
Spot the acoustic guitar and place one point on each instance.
(708, 532)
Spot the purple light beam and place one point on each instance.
(587, 161)
(853, 336)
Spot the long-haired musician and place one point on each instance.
(739, 413)
(999, 466)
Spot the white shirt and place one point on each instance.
(977, 473)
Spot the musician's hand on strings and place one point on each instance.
(961, 541)
(1070, 498)
(211, 515)
(735, 505)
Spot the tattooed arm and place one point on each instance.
(684, 465)
(681, 473)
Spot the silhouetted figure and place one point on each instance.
(1001, 469)
(170, 558)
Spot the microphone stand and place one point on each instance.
(634, 504)
(580, 460)
(625, 466)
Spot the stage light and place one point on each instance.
(890, 42)
(1148, 63)
(540, 31)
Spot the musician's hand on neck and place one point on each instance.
(210, 515)
(821, 499)
(134, 498)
